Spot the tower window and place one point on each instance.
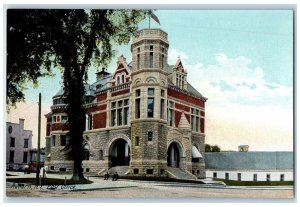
(137, 141)
(151, 60)
(150, 103)
(138, 61)
(137, 108)
(150, 136)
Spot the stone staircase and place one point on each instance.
(180, 174)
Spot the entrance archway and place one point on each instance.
(174, 154)
(119, 153)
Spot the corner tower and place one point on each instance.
(149, 103)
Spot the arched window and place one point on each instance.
(118, 80)
(86, 152)
(123, 78)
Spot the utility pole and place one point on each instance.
(39, 142)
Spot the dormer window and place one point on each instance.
(118, 80)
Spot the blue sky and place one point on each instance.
(241, 60)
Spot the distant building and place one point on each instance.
(18, 145)
(243, 148)
(250, 166)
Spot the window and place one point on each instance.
(150, 108)
(138, 61)
(87, 169)
(170, 113)
(62, 169)
(151, 60)
(53, 140)
(162, 93)
(135, 171)
(12, 142)
(123, 78)
(149, 171)
(63, 140)
(120, 113)
(118, 80)
(138, 93)
(101, 155)
(120, 117)
(268, 177)
(25, 156)
(64, 119)
(150, 103)
(126, 116)
(162, 61)
(86, 154)
(227, 176)
(26, 143)
(11, 156)
(137, 108)
(137, 104)
(137, 141)
(51, 167)
(239, 176)
(281, 177)
(150, 136)
(255, 177)
(214, 175)
(150, 91)
(195, 119)
(162, 108)
(89, 122)
(198, 171)
(113, 118)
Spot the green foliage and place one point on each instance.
(212, 148)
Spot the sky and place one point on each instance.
(241, 60)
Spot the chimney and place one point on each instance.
(21, 123)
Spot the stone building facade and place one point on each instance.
(18, 145)
(145, 116)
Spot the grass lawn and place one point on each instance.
(255, 183)
(48, 181)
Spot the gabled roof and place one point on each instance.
(248, 160)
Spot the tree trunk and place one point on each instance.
(75, 96)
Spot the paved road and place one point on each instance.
(146, 189)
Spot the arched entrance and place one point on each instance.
(119, 153)
(174, 152)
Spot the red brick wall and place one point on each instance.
(177, 118)
(101, 97)
(117, 93)
(48, 129)
(185, 97)
(59, 126)
(99, 120)
(96, 108)
(202, 113)
(182, 107)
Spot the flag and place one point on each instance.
(154, 17)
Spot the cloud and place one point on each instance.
(242, 107)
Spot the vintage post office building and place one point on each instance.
(144, 119)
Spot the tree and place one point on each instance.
(207, 148)
(27, 56)
(78, 38)
(212, 148)
(215, 148)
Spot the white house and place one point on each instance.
(18, 145)
(250, 166)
